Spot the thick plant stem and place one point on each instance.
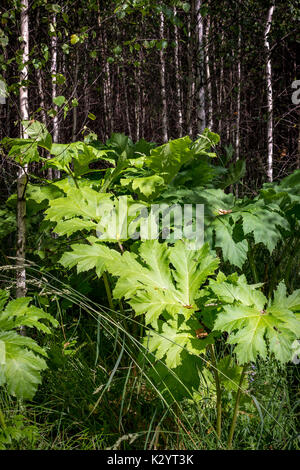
(2, 421)
(218, 390)
(236, 408)
(289, 255)
(108, 291)
(252, 263)
(290, 263)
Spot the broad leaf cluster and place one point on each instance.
(21, 358)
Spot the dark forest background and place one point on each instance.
(158, 70)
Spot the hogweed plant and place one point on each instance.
(171, 271)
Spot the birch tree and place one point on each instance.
(221, 87)
(75, 96)
(177, 77)
(163, 80)
(22, 174)
(200, 110)
(53, 74)
(53, 71)
(106, 88)
(238, 100)
(269, 93)
(164, 95)
(190, 82)
(210, 123)
(40, 83)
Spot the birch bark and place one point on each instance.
(177, 78)
(210, 122)
(238, 111)
(53, 75)
(221, 89)
(163, 81)
(269, 94)
(74, 126)
(22, 174)
(200, 110)
(53, 70)
(190, 83)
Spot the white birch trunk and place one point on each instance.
(103, 64)
(221, 90)
(210, 122)
(86, 83)
(269, 94)
(230, 109)
(141, 97)
(177, 78)
(53, 75)
(53, 70)
(75, 96)
(40, 84)
(200, 110)
(22, 174)
(108, 92)
(238, 110)
(191, 83)
(137, 102)
(42, 96)
(298, 146)
(127, 109)
(163, 81)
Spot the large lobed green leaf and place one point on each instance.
(171, 339)
(21, 363)
(87, 257)
(167, 159)
(163, 278)
(255, 325)
(229, 223)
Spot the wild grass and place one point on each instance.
(99, 392)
